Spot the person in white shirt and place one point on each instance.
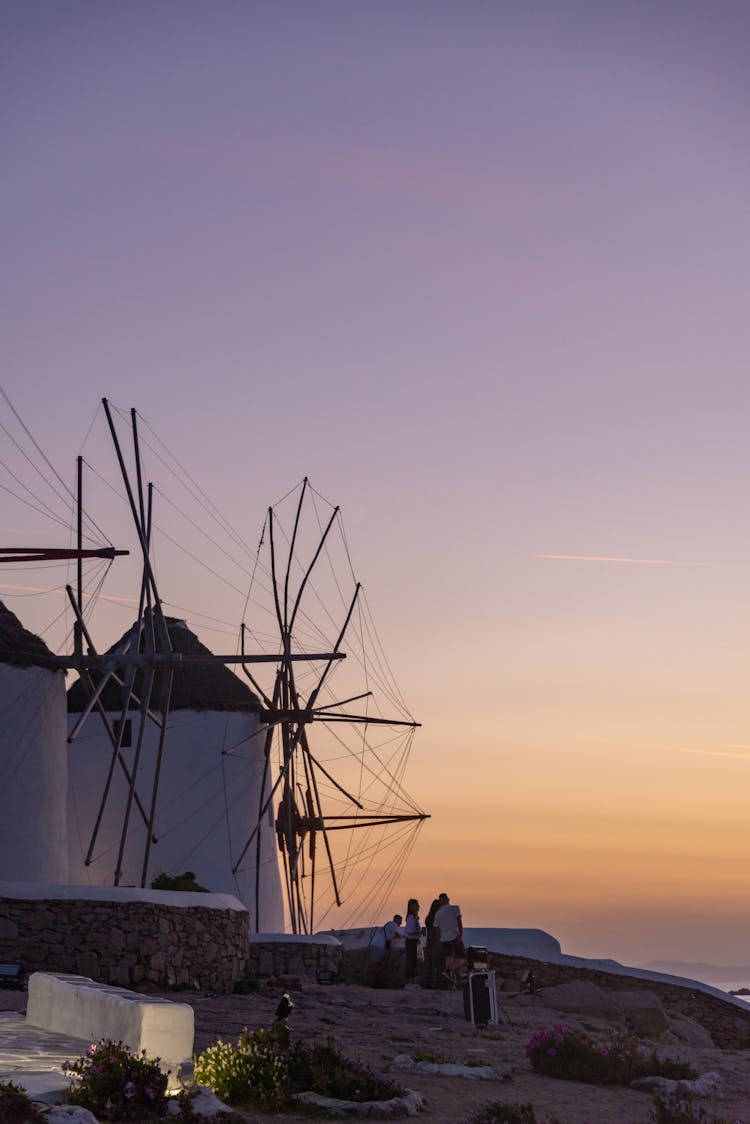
(450, 924)
(392, 930)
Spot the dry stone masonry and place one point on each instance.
(134, 944)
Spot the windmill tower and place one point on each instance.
(193, 804)
(33, 767)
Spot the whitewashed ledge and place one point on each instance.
(41, 891)
(409, 1105)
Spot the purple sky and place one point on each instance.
(479, 270)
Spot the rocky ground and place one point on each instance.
(376, 1026)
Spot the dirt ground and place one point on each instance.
(375, 1026)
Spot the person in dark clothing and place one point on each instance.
(433, 957)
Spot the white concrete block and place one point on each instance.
(82, 1008)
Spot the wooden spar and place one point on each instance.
(323, 829)
(252, 678)
(104, 660)
(146, 699)
(316, 691)
(95, 693)
(55, 554)
(111, 674)
(258, 839)
(373, 820)
(77, 638)
(313, 714)
(164, 704)
(129, 491)
(287, 622)
(304, 581)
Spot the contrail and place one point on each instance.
(604, 558)
(721, 752)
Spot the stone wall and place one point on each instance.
(727, 1022)
(135, 944)
(291, 959)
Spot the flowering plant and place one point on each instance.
(116, 1084)
(570, 1054)
(248, 1072)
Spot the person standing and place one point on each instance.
(392, 930)
(433, 961)
(449, 922)
(412, 933)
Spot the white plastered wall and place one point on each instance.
(209, 794)
(33, 775)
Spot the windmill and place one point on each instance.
(301, 794)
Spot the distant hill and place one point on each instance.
(708, 973)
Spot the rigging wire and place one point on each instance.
(68, 493)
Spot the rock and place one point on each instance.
(687, 1030)
(67, 1114)
(403, 1063)
(580, 996)
(205, 1104)
(707, 1085)
(640, 1009)
(408, 1105)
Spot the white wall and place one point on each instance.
(207, 805)
(33, 775)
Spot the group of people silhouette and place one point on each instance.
(438, 943)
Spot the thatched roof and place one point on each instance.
(19, 647)
(209, 686)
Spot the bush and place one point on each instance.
(498, 1112)
(249, 1073)
(568, 1054)
(116, 1084)
(15, 1106)
(184, 881)
(571, 1055)
(262, 1069)
(322, 1069)
(678, 1108)
(246, 985)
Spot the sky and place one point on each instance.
(479, 271)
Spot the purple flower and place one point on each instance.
(129, 1089)
(551, 1052)
(149, 1092)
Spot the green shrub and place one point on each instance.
(15, 1106)
(249, 1073)
(263, 1069)
(568, 1054)
(678, 1108)
(246, 985)
(320, 1067)
(498, 1112)
(571, 1055)
(116, 1084)
(428, 1056)
(184, 881)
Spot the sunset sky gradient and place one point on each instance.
(481, 271)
